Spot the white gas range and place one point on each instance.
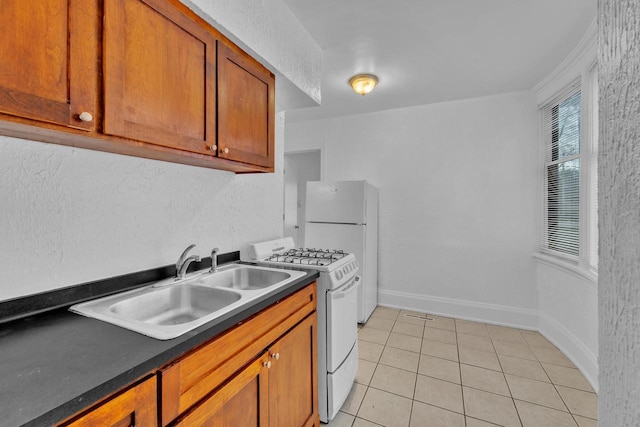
(337, 314)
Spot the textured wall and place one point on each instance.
(619, 189)
(71, 215)
(458, 185)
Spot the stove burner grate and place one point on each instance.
(308, 256)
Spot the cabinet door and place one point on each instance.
(293, 398)
(134, 407)
(246, 109)
(48, 69)
(159, 76)
(243, 401)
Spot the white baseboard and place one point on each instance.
(572, 347)
(517, 317)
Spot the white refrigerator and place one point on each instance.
(344, 215)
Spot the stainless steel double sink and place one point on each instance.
(170, 308)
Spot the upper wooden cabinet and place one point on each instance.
(246, 108)
(48, 70)
(159, 76)
(146, 78)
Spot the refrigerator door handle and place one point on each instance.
(340, 223)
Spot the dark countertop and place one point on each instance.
(55, 364)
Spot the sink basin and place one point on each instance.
(174, 305)
(246, 278)
(169, 308)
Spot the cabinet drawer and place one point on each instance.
(194, 376)
(240, 402)
(135, 406)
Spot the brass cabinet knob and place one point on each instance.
(275, 355)
(225, 150)
(267, 364)
(212, 147)
(85, 116)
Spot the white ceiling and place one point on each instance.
(429, 51)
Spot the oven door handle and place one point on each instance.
(355, 282)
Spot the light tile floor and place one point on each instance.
(445, 372)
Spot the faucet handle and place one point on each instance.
(184, 255)
(214, 260)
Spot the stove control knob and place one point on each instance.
(339, 275)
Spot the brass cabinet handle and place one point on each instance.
(267, 364)
(212, 147)
(225, 150)
(275, 355)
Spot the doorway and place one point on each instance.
(298, 169)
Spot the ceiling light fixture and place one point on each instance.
(363, 83)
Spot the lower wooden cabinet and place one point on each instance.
(293, 377)
(194, 377)
(134, 407)
(261, 372)
(278, 389)
(241, 402)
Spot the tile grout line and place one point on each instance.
(464, 407)
(513, 400)
(413, 396)
(564, 403)
(552, 383)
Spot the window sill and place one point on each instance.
(568, 267)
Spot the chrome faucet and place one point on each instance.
(183, 262)
(214, 260)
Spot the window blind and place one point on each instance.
(593, 174)
(561, 216)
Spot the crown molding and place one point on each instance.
(581, 58)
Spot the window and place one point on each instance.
(562, 169)
(569, 199)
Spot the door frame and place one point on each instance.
(291, 156)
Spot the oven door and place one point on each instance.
(342, 322)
